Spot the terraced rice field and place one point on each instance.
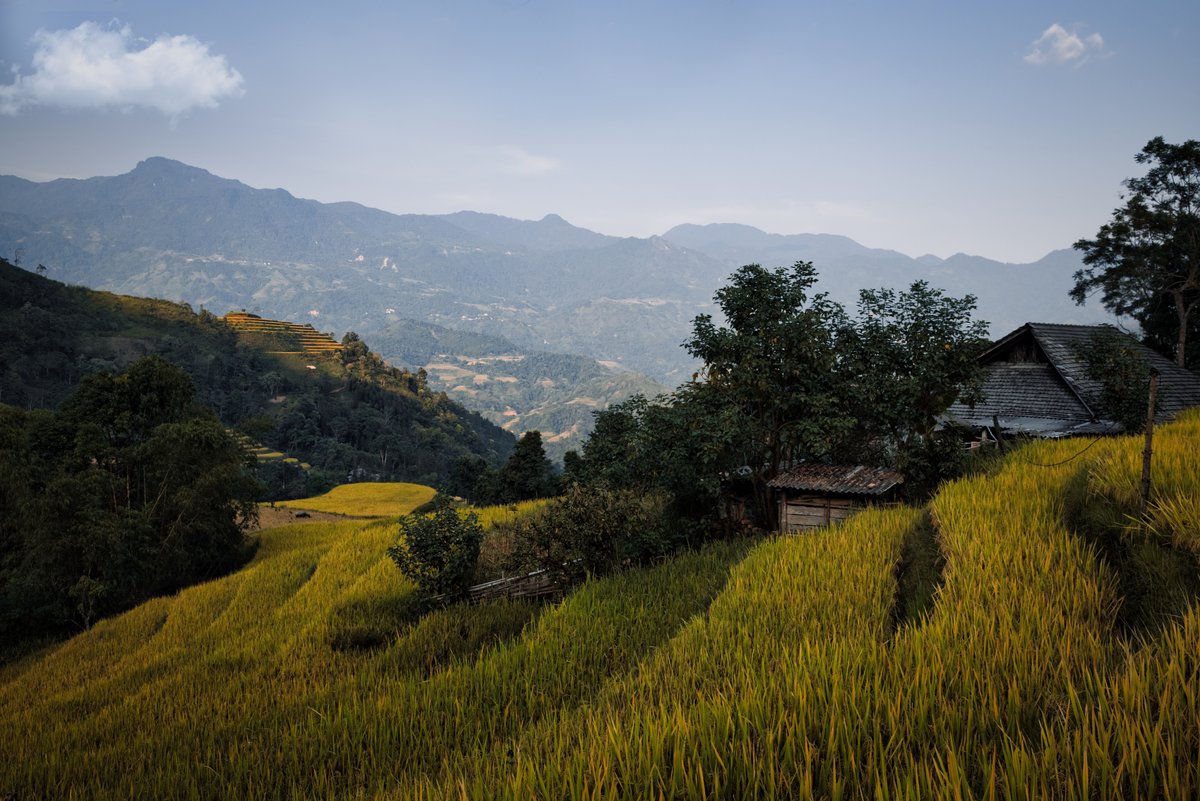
(366, 499)
(775, 669)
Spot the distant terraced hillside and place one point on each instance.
(302, 338)
(516, 388)
(298, 393)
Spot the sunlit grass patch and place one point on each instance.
(505, 513)
(367, 499)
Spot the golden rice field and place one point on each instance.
(768, 670)
(366, 499)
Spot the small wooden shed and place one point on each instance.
(816, 495)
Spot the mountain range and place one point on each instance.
(622, 305)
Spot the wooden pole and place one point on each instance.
(1149, 443)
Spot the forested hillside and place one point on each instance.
(346, 413)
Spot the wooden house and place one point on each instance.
(815, 495)
(1035, 383)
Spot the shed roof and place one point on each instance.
(839, 479)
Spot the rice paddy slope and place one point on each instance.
(366, 499)
(776, 670)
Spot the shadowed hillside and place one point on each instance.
(344, 411)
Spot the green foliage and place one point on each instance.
(1123, 373)
(790, 379)
(527, 474)
(594, 531)
(678, 445)
(128, 490)
(438, 550)
(775, 365)
(907, 357)
(1146, 259)
(353, 415)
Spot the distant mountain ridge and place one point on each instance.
(169, 230)
(1009, 295)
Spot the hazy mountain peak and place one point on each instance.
(551, 233)
(159, 166)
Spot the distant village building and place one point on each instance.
(1036, 384)
(816, 495)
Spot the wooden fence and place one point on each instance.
(537, 584)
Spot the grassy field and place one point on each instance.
(785, 668)
(367, 499)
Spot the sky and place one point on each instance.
(996, 129)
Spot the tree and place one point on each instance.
(527, 473)
(1147, 257)
(126, 491)
(775, 364)
(678, 445)
(1123, 373)
(907, 357)
(439, 550)
(594, 530)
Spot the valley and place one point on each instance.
(482, 285)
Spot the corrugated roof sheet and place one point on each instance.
(842, 479)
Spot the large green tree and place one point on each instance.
(1146, 259)
(906, 358)
(790, 378)
(775, 363)
(528, 473)
(127, 490)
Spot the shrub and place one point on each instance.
(594, 530)
(438, 550)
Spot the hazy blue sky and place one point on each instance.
(998, 129)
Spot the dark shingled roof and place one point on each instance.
(1178, 387)
(1035, 382)
(841, 479)
(1026, 396)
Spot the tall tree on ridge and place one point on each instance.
(1148, 255)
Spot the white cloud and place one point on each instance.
(1057, 45)
(515, 161)
(96, 66)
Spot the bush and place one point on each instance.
(594, 530)
(439, 550)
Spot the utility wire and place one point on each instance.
(1064, 461)
(1070, 458)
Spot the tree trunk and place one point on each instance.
(1181, 310)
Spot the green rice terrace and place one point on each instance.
(1059, 658)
